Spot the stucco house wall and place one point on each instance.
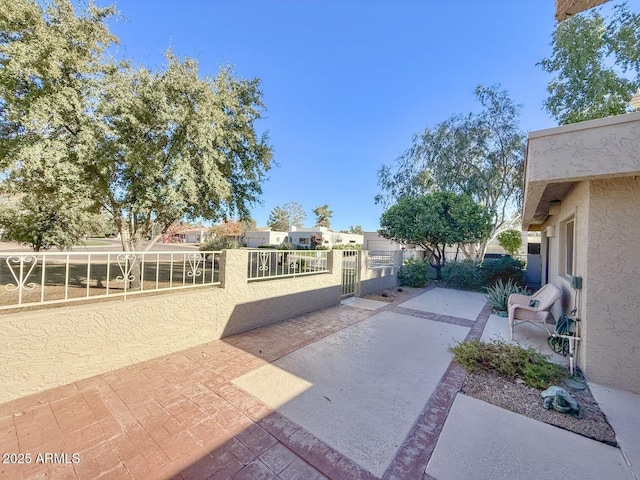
(590, 171)
(575, 204)
(613, 300)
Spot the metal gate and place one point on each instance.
(350, 269)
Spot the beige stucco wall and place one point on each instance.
(45, 348)
(576, 203)
(584, 150)
(607, 214)
(580, 151)
(613, 296)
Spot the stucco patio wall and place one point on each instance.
(41, 349)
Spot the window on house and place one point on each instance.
(303, 241)
(567, 247)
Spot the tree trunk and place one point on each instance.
(438, 273)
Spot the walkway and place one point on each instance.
(359, 391)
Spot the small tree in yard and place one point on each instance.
(510, 240)
(435, 221)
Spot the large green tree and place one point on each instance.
(323, 216)
(51, 66)
(43, 224)
(596, 63)
(148, 147)
(177, 145)
(434, 221)
(481, 155)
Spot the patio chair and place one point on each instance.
(533, 308)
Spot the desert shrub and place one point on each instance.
(219, 243)
(504, 268)
(498, 294)
(465, 275)
(507, 360)
(413, 273)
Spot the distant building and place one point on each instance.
(197, 235)
(256, 238)
(307, 237)
(302, 237)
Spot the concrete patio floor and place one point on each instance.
(359, 391)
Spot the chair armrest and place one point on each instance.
(516, 298)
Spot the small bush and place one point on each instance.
(504, 268)
(347, 246)
(413, 273)
(509, 361)
(219, 243)
(465, 275)
(498, 294)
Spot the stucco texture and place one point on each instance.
(613, 300)
(585, 150)
(575, 204)
(607, 216)
(54, 346)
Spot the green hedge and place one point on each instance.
(504, 268)
(465, 274)
(413, 273)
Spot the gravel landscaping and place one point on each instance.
(527, 401)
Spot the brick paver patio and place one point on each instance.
(179, 416)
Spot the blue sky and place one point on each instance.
(347, 83)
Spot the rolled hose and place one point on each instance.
(558, 344)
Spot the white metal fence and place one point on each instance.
(350, 268)
(386, 258)
(267, 264)
(43, 278)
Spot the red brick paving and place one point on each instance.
(179, 416)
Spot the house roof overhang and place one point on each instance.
(558, 158)
(567, 8)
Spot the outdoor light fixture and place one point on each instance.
(551, 231)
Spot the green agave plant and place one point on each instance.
(498, 294)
